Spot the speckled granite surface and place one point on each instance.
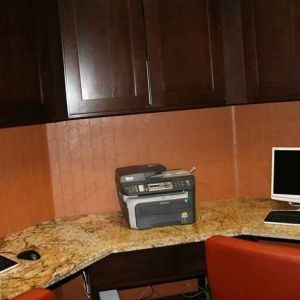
(70, 244)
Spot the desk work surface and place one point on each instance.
(70, 244)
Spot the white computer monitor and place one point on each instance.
(285, 181)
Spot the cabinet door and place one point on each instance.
(271, 30)
(104, 56)
(31, 70)
(185, 54)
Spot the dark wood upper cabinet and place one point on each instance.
(271, 34)
(104, 56)
(63, 59)
(184, 43)
(31, 70)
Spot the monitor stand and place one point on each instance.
(294, 206)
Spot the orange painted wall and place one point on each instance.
(258, 129)
(25, 182)
(231, 148)
(85, 153)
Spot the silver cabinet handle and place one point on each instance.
(149, 84)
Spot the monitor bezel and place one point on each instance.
(282, 197)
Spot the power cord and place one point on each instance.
(142, 297)
(194, 295)
(153, 292)
(202, 291)
(156, 292)
(87, 288)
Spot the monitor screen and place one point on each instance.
(286, 171)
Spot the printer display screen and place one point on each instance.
(160, 186)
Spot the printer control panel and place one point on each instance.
(177, 184)
(182, 183)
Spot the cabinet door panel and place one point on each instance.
(31, 73)
(105, 56)
(184, 45)
(272, 49)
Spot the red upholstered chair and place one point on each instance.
(244, 270)
(37, 294)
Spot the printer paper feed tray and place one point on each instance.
(167, 209)
(151, 208)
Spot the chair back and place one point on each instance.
(245, 270)
(36, 294)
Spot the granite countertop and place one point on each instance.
(68, 245)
